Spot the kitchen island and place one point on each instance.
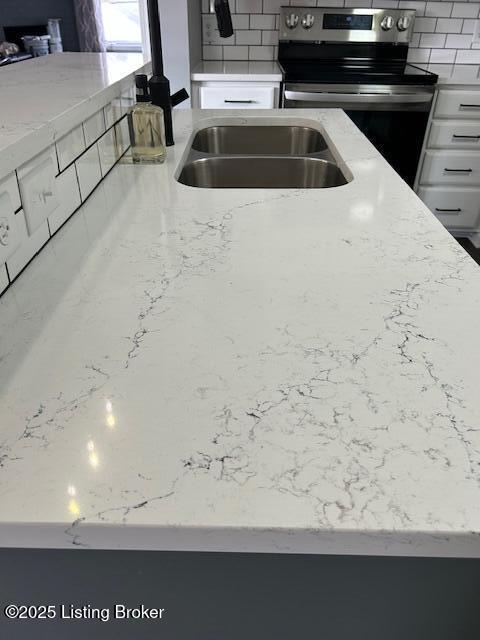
(280, 371)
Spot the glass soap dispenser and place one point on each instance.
(146, 125)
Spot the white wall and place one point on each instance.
(181, 40)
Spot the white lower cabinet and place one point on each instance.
(449, 170)
(29, 246)
(88, 171)
(69, 197)
(37, 188)
(454, 134)
(236, 95)
(451, 167)
(455, 207)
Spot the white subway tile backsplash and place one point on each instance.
(468, 26)
(465, 10)
(273, 6)
(248, 36)
(442, 32)
(468, 56)
(433, 40)
(359, 3)
(241, 21)
(411, 4)
(385, 4)
(235, 53)
(439, 9)
(425, 25)
(418, 55)
(261, 53)
(455, 41)
(442, 56)
(248, 6)
(212, 53)
(449, 25)
(269, 37)
(262, 21)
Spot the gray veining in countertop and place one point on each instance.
(245, 370)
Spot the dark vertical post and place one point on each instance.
(159, 84)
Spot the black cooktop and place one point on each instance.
(315, 71)
(350, 63)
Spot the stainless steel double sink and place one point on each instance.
(260, 157)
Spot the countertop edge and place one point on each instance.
(127, 537)
(34, 142)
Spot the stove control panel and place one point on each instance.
(329, 24)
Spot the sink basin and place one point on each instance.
(288, 172)
(259, 140)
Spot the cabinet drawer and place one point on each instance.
(9, 232)
(88, 171)
(454, 135)
(69, 197)
(237, 97)
(458, 104)
(37, 189)
(454, 207)
(451, 167)
(94, 127)
(70, 147)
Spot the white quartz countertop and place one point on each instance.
(237, 70)
(457, 74)
(245, 370)
(43, 98)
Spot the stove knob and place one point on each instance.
(307, 21)
(403, 23)
(291, 20)
(387, 23)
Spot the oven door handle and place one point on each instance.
(359, 98)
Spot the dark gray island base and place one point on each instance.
(210, 596)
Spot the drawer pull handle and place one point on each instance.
(459, 170)
(240, 101)
(448, 210)
(469, 106)
(457, 135)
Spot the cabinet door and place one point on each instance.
(246, 96)
(455, 208)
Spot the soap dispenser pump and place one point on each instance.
(146, 124)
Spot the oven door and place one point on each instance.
(393, 117)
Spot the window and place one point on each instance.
(125, 25)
